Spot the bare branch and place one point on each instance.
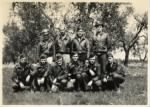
(136, 37)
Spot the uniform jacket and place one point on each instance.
(81, 45)
(95, 68)
(57, 71)
(102, 42)
(63, 44)
(116, 67)
(21, 72)
(75, 67)
(45, 48)
(42, 70)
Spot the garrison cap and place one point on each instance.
(109, 55)
(43, 56)
(58, 56)
(98, 23)
(74, 53)
(92, 55)
(22, 56)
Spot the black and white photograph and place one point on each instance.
(75, 53)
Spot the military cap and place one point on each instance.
(22, 56)
(45, 32)
(43, 56)
(109, 55)
(80, 29)
(74, 53)
(58, 56)
(98, 23)
(92, 55)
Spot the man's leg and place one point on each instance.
(71, 84)
(35, 86)
(16, 87)
(102, 59)
(78, 82)
(118, 79)
(97, 85)
(85, 80)
(63, 84)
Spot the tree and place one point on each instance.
(129, 39)
(141, 48)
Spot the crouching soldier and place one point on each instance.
(58, 74)
(94, 74)
(115, 74)
(22, 77)
(40, 82)
(78, 77)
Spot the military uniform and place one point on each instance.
(77, 72)
(63, 45)
(22, 77)
(41, 81)
(58, 75)
(45, 48)
(115, 74)
(102, 44)
(82, 46)
(94, 74)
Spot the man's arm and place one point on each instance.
(109, 43)
(88, 48)
(38, 50)
(15, 76)
(47, 71)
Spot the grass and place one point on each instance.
(134, 92)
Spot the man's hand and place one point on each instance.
(28, 78)
(21, 85)
(16, 80)
(90, 83)
(104, 80)
(95, 79)
(69, 74)
(42, 80)
(92, 72)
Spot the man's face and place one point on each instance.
(59, 61)
(43, 61)
(80, 34)
(23, 60)
(100, 28)
(110, 59)
(75, 57)
(92, 60)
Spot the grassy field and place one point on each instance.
(134, 92)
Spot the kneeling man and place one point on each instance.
(115, 73)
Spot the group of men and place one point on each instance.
(71, 64)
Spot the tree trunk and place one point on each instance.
(126, 60)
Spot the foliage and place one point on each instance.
(36, 16)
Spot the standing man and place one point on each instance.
(81, 45)
(63, 45)
(45, 46)
(102, 45)
(22, 77)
